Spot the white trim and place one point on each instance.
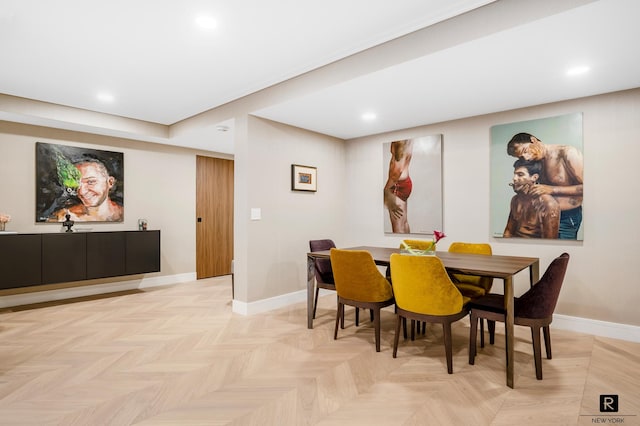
(264, 305)
(272, 303)
(91, 290)
(613, 330)
(562, 322)
(167, 280)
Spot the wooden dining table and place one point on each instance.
(494, 266)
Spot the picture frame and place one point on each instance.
(304, 178)
(515, 216)
(420, 194)
(83, 183)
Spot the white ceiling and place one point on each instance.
(515, 68)
(161, 68)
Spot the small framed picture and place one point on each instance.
(304, 178)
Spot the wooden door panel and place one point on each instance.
(214, 216)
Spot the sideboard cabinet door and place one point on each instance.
(142, 252)
(20, 260)
(105, 254)
(64, 257)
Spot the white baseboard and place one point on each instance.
(272, 303)
(91, 290)
(613, 330)
(562, 322)
(167, 280)
(269, 304)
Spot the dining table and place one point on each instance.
(494, 266)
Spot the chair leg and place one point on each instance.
(404, 327)
(446, 328)
(547, 340)
(491, 325)
(376, 326)
(357, 317)
(339, 313)
(413, 330)
(315, 303)
(371, 314)
(482, 332)
(473, 336)
(395, 339)
(537, 351)
(424, 327)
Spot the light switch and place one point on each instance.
(256, 213)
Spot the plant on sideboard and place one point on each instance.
(4, 218)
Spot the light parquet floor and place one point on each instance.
(179, 356)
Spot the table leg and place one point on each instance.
(534, 272)
(311, 283)
(509, 338)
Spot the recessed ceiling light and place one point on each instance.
(206, 22)
(105, 97)
(369, 116)
(583, 69)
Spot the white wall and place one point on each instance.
(602, 282)
(159, 186)
(276, 245)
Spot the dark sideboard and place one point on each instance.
(36, 259)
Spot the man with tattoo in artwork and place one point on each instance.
(561, 177)
(531, 215)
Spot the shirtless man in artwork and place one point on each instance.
(398, 186)
(561, 177)
(531, 215)
(95, 205)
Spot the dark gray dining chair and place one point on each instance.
(534, 309)
(323, 271)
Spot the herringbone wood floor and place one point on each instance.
(178, 356)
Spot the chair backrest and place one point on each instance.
(540, 300)
(324, 273)
(418, 244)
(421, 284)
(473, 248)
(357, 277)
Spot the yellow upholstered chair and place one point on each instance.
(470, 285)
(413, 244)
(418, 244)
(424, 292)
(359, 283)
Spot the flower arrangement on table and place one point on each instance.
(430, 249)
(4, 218)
